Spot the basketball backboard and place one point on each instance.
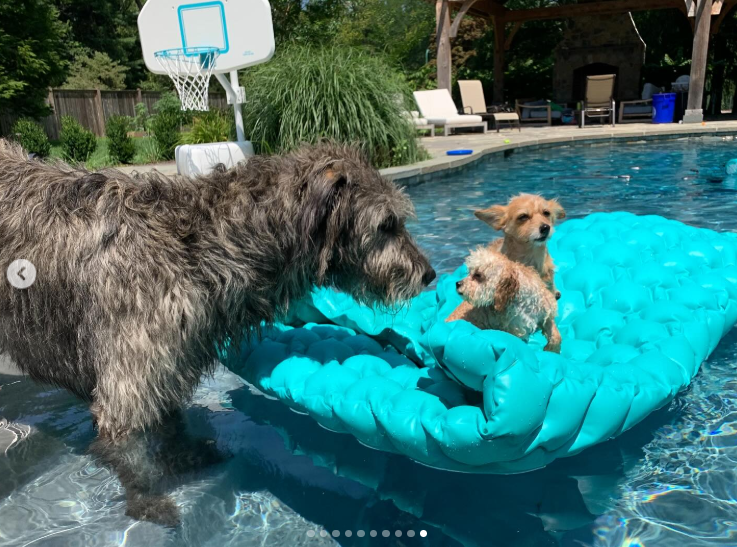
(241, 30)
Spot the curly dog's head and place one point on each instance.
(491, 280)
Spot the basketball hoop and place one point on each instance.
(190, 70)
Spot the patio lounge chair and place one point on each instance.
(413, 116)
(599, 102)
(421, 123)
(438, 108)
(472, 96)
(640, 110)
(474, 102)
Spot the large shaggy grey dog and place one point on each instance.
(140, 279)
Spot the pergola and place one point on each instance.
(706, 17)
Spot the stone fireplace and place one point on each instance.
(599, 45)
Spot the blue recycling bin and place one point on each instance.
(664, 107)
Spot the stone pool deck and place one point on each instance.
(493, 142)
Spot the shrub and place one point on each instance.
(349, 95)
(165, 129)
(120, 146)
(77, 143)
(141, 119)
(166, 124)
(31, 137)
(211, 126)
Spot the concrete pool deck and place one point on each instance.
(493, 142)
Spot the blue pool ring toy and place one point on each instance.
(644, 302)
(462, 152)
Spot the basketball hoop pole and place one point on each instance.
(230, 89)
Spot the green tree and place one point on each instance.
(400, 29)
(33, 55)
(306, 22)
(96, 71)
(669, 40)
(107, 26)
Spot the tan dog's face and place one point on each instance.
(490, 280)
(526, 218)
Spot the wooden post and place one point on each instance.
(694, 112)
(52, 123)
(99, 114)
(442, 13)
(499, 43)
(139, 95)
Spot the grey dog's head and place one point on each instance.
(356, 219)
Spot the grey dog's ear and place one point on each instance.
(495, 216)
(323, 212)
(506, 290)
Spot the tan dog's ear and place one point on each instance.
(495, 216)
(558, 212)
(506, 290)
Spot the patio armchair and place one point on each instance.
(539, 112)
(639, 110)
(438, 108)
(599, 101)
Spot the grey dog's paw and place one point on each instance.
(157, 509)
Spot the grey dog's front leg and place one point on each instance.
(148, 463)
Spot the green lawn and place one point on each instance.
(145, 153)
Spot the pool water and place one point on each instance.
(672, 480)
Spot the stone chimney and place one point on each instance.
(599, 45)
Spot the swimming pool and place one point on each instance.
(670, 481)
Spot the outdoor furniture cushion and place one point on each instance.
(438, 107)
(543, 114)
(535, 112)
(632, 109)
(644, 301)
(506, 117)
(456, 120)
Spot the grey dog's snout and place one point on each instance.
(544, 229)
(429, 276)
(459, 284)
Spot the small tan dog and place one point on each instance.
(504, 295)
(527, 222)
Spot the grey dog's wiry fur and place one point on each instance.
(140, 278)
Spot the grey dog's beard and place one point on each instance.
(389, 299)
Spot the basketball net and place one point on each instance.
(190, 70)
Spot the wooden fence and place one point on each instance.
(92, 107)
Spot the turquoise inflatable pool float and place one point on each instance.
(644, 302)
